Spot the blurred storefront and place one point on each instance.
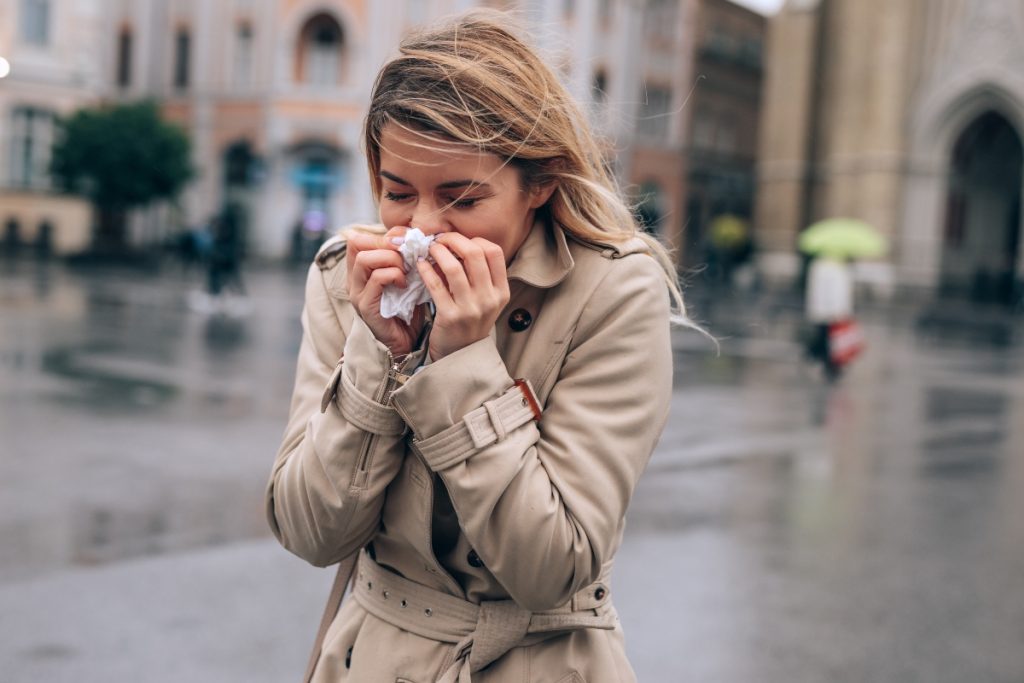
(908, 115)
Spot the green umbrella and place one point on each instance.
(843, 238)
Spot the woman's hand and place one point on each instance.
(470, 296)
(373, 263)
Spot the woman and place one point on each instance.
(484, 453)
(829, 301)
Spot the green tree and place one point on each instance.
(120, 157)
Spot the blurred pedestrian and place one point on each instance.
(829, 301)
(478, 458)
(224, 273)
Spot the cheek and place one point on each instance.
(391, 215)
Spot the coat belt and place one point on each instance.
(481, 632)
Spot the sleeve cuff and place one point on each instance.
(488, 424)
(446, 390)
(360, 383)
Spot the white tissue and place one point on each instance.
(399, 302)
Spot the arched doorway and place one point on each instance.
(982, 229)
(319, 170)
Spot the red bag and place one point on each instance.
(845, 341)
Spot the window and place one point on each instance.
(321, 43)
(725, 138)
(650, 209)
(661, 20)
(655, 112)
(124, 58)
(599, 87)
(703, 129)
(182, 47)
(35, 21)
(720, 43)
(243, 55)
(31, 140)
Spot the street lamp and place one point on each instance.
(5, 67)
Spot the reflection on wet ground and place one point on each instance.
(131, 424)
(872, 530)
(785, 530)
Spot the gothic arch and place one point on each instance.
(943, 116)
(937, 121)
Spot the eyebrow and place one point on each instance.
(443, 186)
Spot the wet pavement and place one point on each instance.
(786, 530)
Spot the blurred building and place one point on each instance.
(273, 95)
(53, 53)
(908, 115)
(273, 92)
(675, 87)
(722, 140)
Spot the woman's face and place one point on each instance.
(441, 186)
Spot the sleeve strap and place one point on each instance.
(360, 410)
(488, 424)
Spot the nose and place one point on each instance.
(428, 218)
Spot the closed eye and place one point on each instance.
(464, 202)
(396, 197)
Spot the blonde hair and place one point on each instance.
(473, 81)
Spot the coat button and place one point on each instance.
(599, 593)
(474, 559)
(348, 659)
(520, 319)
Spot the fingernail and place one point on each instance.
(398, 241)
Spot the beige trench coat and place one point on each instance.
(370, 457)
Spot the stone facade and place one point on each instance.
(867, 103)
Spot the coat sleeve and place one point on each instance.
(343, 445)
(544, 505)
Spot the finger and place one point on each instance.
(381, 278)
(366, 262)
(379, 258)
(438, 292)
(453, 271)
(396, 235)
(473, 260)
(358, 242)
(495, 257)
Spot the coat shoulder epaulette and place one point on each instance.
(333, 250)
(613, 250)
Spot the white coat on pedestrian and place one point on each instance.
(829, 291)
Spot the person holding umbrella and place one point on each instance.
(833, 244)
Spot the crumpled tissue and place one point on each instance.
(396, 301)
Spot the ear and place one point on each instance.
(540, 194)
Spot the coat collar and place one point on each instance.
(543, 260)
